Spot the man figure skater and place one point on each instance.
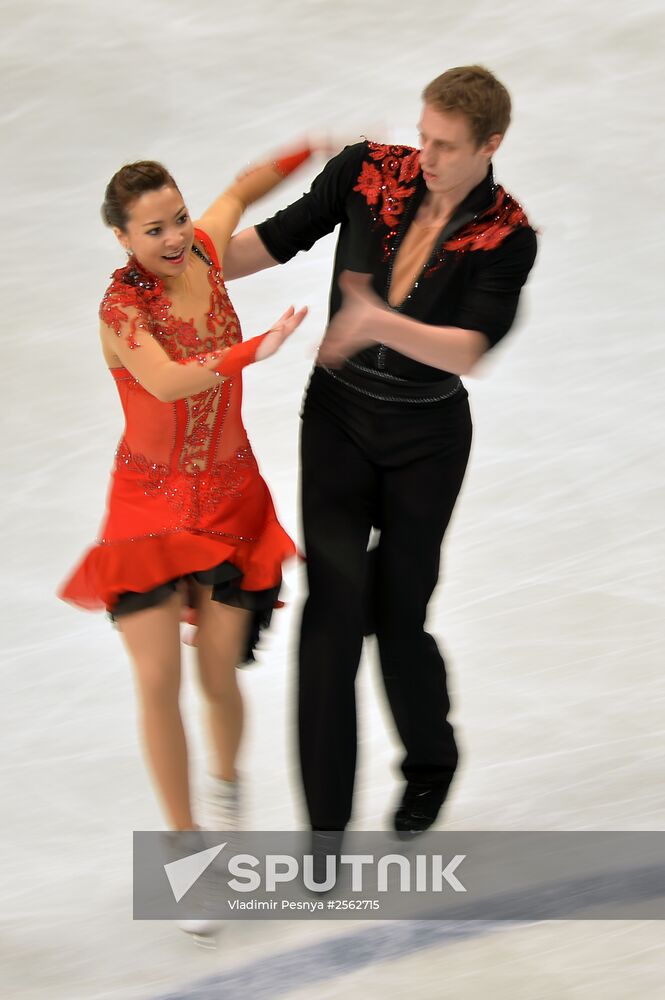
(440, 254)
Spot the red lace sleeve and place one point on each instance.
(126, 303)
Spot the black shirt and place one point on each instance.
(473, 278)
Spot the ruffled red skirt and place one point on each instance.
(160, 528)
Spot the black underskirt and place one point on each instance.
(225, 582)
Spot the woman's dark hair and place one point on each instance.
(128, 184)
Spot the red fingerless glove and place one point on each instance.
(238, 357)
(287, 164)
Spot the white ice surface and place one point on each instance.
(551, 605)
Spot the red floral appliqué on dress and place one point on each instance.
(135, 289)
(136, 300)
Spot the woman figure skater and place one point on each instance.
(190, 525)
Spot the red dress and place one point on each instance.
(186, 494)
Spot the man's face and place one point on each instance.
(449, 157)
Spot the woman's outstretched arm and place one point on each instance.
(222, 217)
(133, 347)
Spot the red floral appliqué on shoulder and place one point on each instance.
(131, 288)
(487, 232)
(384, 183)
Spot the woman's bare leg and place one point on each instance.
(222, 636)
(152, 638)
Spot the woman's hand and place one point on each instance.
(356, 325)
(328, 143)
(280, 331)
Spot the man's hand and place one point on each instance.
(356, 325)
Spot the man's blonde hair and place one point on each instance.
(476, 93)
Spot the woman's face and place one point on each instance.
(159, 232)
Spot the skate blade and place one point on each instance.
(207, 941)
(203, 933)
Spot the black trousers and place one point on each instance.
(397, 467)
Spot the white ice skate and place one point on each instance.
(219, 801)
(204, 929)
(200, 890)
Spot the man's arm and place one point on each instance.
(246, 254)
(485, 314)
(447, 347)
(364, 320)
(302, 223)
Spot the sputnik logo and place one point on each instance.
(183, 873)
